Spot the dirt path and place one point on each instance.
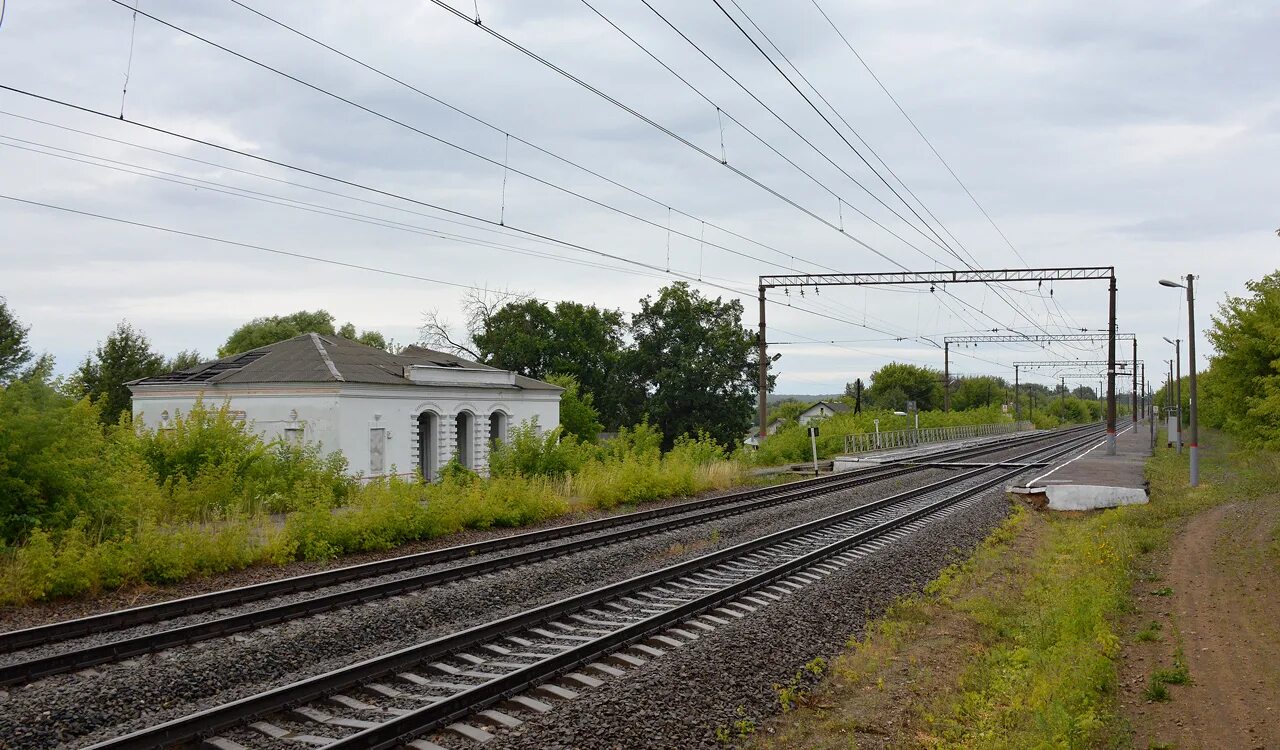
(1217, 603)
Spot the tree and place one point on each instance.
(896, 383)
(14, 352)
(268, 330)
(853, 393)
(368, 338)
(125, 355)
(972, 392)
(578, 416)
(695, 363)
(183, 360)
(1243, 393)
(535, 340)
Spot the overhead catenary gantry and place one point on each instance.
(1024, 338)
(942, 278)
(1062, 364)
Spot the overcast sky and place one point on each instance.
(1144, 135)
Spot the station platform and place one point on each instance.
(1092, 479)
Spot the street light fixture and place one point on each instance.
(1177, 356)
(1191, 364)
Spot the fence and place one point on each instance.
(870, 441)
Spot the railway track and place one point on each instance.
(394, 699)
(563, 540)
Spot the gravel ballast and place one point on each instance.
(683, 697)
(76, 710)
(120, 697)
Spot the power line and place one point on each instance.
(426, 134)
(501, 231)
(664, 129)
(919, 132)
(351, 183)
(794, 131)
(249, 246)
(379, 191)
(276, 200)
(834, 129)
(846, 141)
(540, 149)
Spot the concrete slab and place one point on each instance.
(1091, 479)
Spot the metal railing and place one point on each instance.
(871, 441)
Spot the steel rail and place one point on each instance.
(394, 732)
(76, 659)
(122, 618)
(210, 721)
(40, 635)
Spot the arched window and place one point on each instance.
(466, 429)
(428, 445)
(497, 429)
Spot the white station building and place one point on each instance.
(387, 413)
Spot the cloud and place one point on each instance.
(1138, 135)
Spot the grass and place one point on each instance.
(323, 524)
(1032, 625)
(1150, 633)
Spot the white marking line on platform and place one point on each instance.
(1077, 458)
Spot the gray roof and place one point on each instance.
(835, 406)
(318, 358)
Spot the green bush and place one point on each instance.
(791, 443)
(88, 507)
(527, 453)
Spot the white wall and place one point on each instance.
(343, 417)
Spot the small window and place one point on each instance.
(293, 435)
(378, 450)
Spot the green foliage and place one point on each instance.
(896, 383)
(581, 341)
(212, 466)
(1156, 691)
(183, 360)
(1150, 633)
(125, 355)
(1243, 391)
(58, 463)
(695, 363)
(791, 443)
(87, 506)
(528, 453)
(788, 411)
(1047, 677)
(973, 392)
(14, 352)
(270, 329)
(578, 416)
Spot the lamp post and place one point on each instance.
(1177, 409)
(1191, 369)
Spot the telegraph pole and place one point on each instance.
(764, 373)
(1017, 405)
(1111, 370)
(1135, 383)
(946, 375)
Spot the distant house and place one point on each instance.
(418, 409)
(753, 438)
(822, 410)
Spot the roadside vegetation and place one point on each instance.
(1018, 646)
(86, 507)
